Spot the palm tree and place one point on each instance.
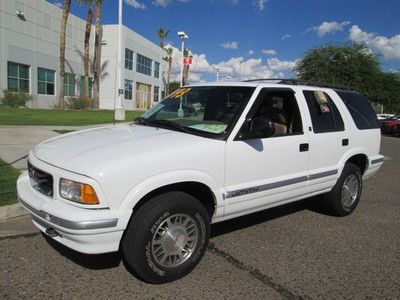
(102, 74)
(86, 59)
(162, 34)
(168, 59)
(64, 20)
(186, 53)
(97, 54)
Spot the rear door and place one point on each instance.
(266, 171)
(329, 139)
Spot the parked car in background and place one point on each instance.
(388, 124)
(384, 116)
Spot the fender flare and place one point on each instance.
(154, 182)
(352, 152)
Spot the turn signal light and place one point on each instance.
(88, 195)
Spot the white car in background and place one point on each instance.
(205, 154)
(384, 116)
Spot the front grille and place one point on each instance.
(40, 180)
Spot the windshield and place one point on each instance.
(209, 111)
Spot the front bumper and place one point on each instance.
(90, 231)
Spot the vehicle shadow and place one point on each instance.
(313, 204)
(89, 261)
(113, 260)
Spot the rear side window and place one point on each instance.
(325, 118)
(360, 110)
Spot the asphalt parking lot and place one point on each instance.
(295, 251)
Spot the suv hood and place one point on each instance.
(91, 150)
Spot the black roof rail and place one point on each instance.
(301, 82)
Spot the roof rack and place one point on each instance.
(301, 82)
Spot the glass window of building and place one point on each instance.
(143, 64)
(156, 69)
(46, 79)
(17, 77)
(128, 59)
(156, 96)
(69, 84)
(128, 89)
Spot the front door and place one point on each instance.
(266, 171)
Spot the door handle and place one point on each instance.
(304, 147)
(345, 142)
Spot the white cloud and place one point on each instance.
(251, 52)
(286, 36)
(269, 52)
(200, 65)
(58, 3)
(276, 64)
(135, 4)
(260, 4)
(230, 45)
(388, 47)
(328, 27)
(235, 2)
(163, 3)
(237, 68)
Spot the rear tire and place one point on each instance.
(166, 238)
(345, 195)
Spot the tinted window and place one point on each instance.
(323, 120)
(361, 111)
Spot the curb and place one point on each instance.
(12, 211)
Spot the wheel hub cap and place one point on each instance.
(175, 240)
(350, 191)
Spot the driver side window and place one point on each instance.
(281, 108)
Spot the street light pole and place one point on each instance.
(183, 36)
(119, 110)
(217, 69)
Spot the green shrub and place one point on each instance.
(14, 99)
(80, 103)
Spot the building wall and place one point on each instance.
(34, 41)
(137, 44)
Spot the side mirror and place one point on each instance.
(258, 128)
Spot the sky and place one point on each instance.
(247, 39)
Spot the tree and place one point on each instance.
(186, 53)
(168, 59)
(86, 47)
(97, 54)
(347, 65)
(103, 73)
(63, 30)
(162, 34)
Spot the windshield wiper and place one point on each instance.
(143, 121)
(171, 125)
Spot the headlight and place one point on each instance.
(77, 192)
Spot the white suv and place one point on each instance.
(205, 154)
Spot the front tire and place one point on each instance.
(167, 237)
(345, 195)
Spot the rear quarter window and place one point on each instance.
(360, 110)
